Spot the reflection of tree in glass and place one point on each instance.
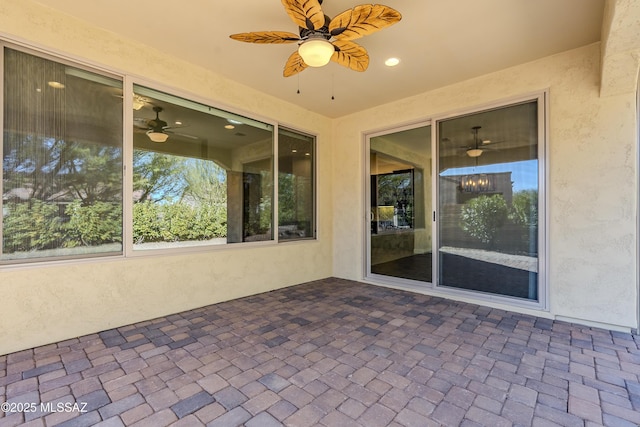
(524, 208)
(294, 194)
(205, 182)
(157, 176)
(396, 190)
(483, 216)
(286, 198)
(177, 198)
(54, 189)
(48, 169)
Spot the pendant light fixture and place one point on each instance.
(316, 51)
(156, 131)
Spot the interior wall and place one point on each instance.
(591, 186)
(57, 301)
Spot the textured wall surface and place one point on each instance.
(43, 304)
(592, 179)
(592, 195)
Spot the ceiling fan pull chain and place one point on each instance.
(333, 78)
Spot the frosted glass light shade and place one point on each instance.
(316, 52)
(157, 136)
(474, 152)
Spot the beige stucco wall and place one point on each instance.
(43, 304)
(592, 196)
(592, 180)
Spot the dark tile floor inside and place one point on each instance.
(462, 272)
(330, 353)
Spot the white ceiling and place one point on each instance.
(439, 42)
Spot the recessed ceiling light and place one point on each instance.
(391, 62)
(294, 151)
(178, 122)
(56, 85)
(229, 127)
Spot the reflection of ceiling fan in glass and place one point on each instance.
(323, 39)
(479, 145)
(156, 129)
(475, 151)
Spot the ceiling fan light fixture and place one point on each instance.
(56, 85)
(157, 136)
(474, 152)
(316, 52)
(138, 102)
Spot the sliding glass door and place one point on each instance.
(400, 238)
(464, 214)
(488, 187)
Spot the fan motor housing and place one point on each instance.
(324, 30)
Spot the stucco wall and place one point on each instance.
(43, 304)
(592, 195)
(592, 180)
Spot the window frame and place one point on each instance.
(368, 275)
(170, 92)
(84, 66)
(314, 181)
(542, 99)
(128, 82)
(542, 304)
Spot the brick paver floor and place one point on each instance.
(330, 353)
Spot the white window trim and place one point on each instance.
(129, 80)
(431, 288)
(314, 177)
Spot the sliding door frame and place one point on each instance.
(367, 274)
(542, 99)
(542, 303)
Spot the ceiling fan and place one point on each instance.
(479, 144)
(322, 39)
(157, 129)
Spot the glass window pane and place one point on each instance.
(202, 176)
(488, 196)
(62, 160)
(296, 201)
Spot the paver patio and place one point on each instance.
(330, 353)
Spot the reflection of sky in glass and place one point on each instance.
(523, 174)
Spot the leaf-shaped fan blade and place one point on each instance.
(351, 55)
(294, 65)
(305, 13)
(266, 37)
(362, 20)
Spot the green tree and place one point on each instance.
(179, 199)
(483, 216)
(56, 169)
(32, 225)
(396, 189)
(287, 213)
(42, 175)
(157, 176)
(147, 225)
(205, 182)
(524, 208)
(94, 174)
(94, 224)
